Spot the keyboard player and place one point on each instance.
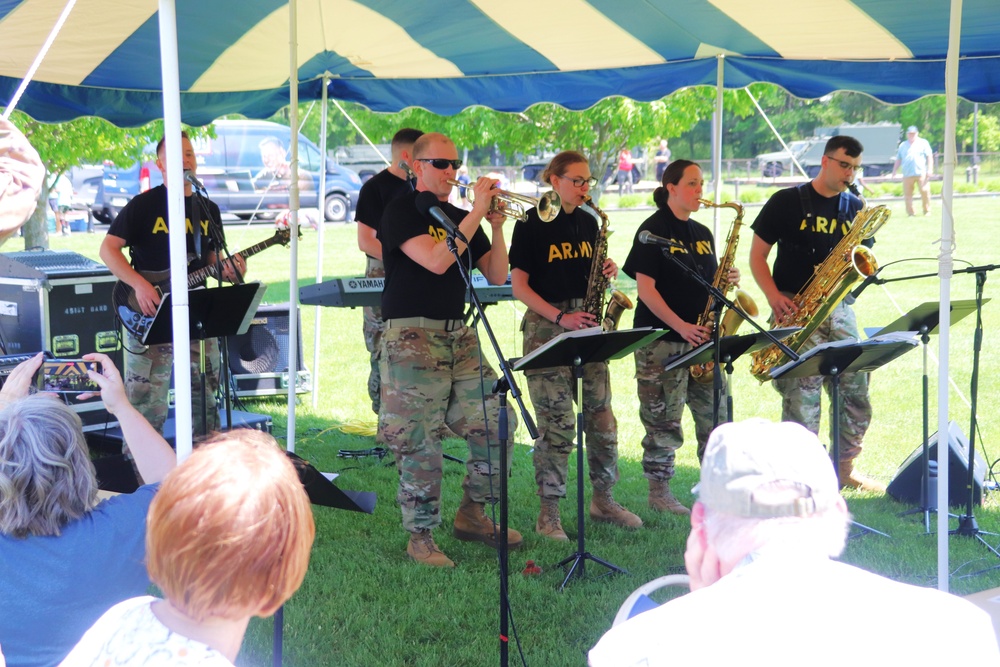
(380, 189)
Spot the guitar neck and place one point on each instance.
(198, 276)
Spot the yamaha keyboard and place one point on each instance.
(361, 291)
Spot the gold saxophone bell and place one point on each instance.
(515, 206)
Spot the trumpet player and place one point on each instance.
(430, 362)
(671, 299)
(550, 268)
(806, 223)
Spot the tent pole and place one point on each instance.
(717, 142)
(167, 16)
(321, 205)
(945, 267)
(293, 222)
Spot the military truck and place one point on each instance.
(879, 139)
(364, 159)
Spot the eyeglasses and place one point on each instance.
(845, 165)
(441, 163)
(579, 182)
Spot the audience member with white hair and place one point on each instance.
(768, 521)
(65, 557)
(228, 537)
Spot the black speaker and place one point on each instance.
(905, 485)
(258, 359)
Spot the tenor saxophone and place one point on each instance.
(830, 283)
(598, 283)
(732, 320)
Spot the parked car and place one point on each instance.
(244, 169)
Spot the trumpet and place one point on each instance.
(514, 205)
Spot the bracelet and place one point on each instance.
(559, 316)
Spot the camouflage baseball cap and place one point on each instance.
(761, 469)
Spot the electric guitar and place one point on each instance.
(126, 305)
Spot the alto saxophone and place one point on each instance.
(829, 285)
(598, 283)
(732, 320)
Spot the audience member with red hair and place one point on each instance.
(228, 538)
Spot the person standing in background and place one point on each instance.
(625, 165)
(662, 160)
(917, 160)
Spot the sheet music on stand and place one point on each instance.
(545, 354)
(689, 358)
(871, 358)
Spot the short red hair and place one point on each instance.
(230, 530)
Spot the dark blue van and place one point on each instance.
(245, 170)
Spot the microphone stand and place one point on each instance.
(967, 525)
(720, 301)
(504, 385)
(215, 231)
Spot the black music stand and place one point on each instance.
(731, 348)
(924, 319)
(574, 349)
(215, 312)
(846, 356)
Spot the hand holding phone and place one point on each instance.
(67, 376)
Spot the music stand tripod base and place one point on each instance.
(575, 349)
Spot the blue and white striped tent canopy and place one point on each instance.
(447, 55)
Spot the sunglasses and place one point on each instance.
(441, 163)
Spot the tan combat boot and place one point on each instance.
(605, 509)
(661, 498)
(849, 478)
(423, 550)
(472, 525)
(548, 524)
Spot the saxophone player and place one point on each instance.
(550, 267)
(806, 222)
(671, 299)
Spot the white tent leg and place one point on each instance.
(321, 205)
(945, 268)
(175, 222)
(293, 221)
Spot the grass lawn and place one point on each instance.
(364, 603)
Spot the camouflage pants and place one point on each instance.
(662, 396)
(433, 390)
(147, 381)
(552, 392)
(373, 337)
(801, 396)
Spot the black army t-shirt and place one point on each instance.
(803, 242)
(410, 289)
(685, 296)
(142, 223)
(556, 255)
(380, 189)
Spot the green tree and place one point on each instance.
(600, 132)
(78, 142)
(988, 131)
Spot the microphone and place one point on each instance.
(427, 204)
(193, 180)
(650, 238)
(872, 279)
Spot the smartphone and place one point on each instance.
(66, 376)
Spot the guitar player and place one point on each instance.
(142, 227)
